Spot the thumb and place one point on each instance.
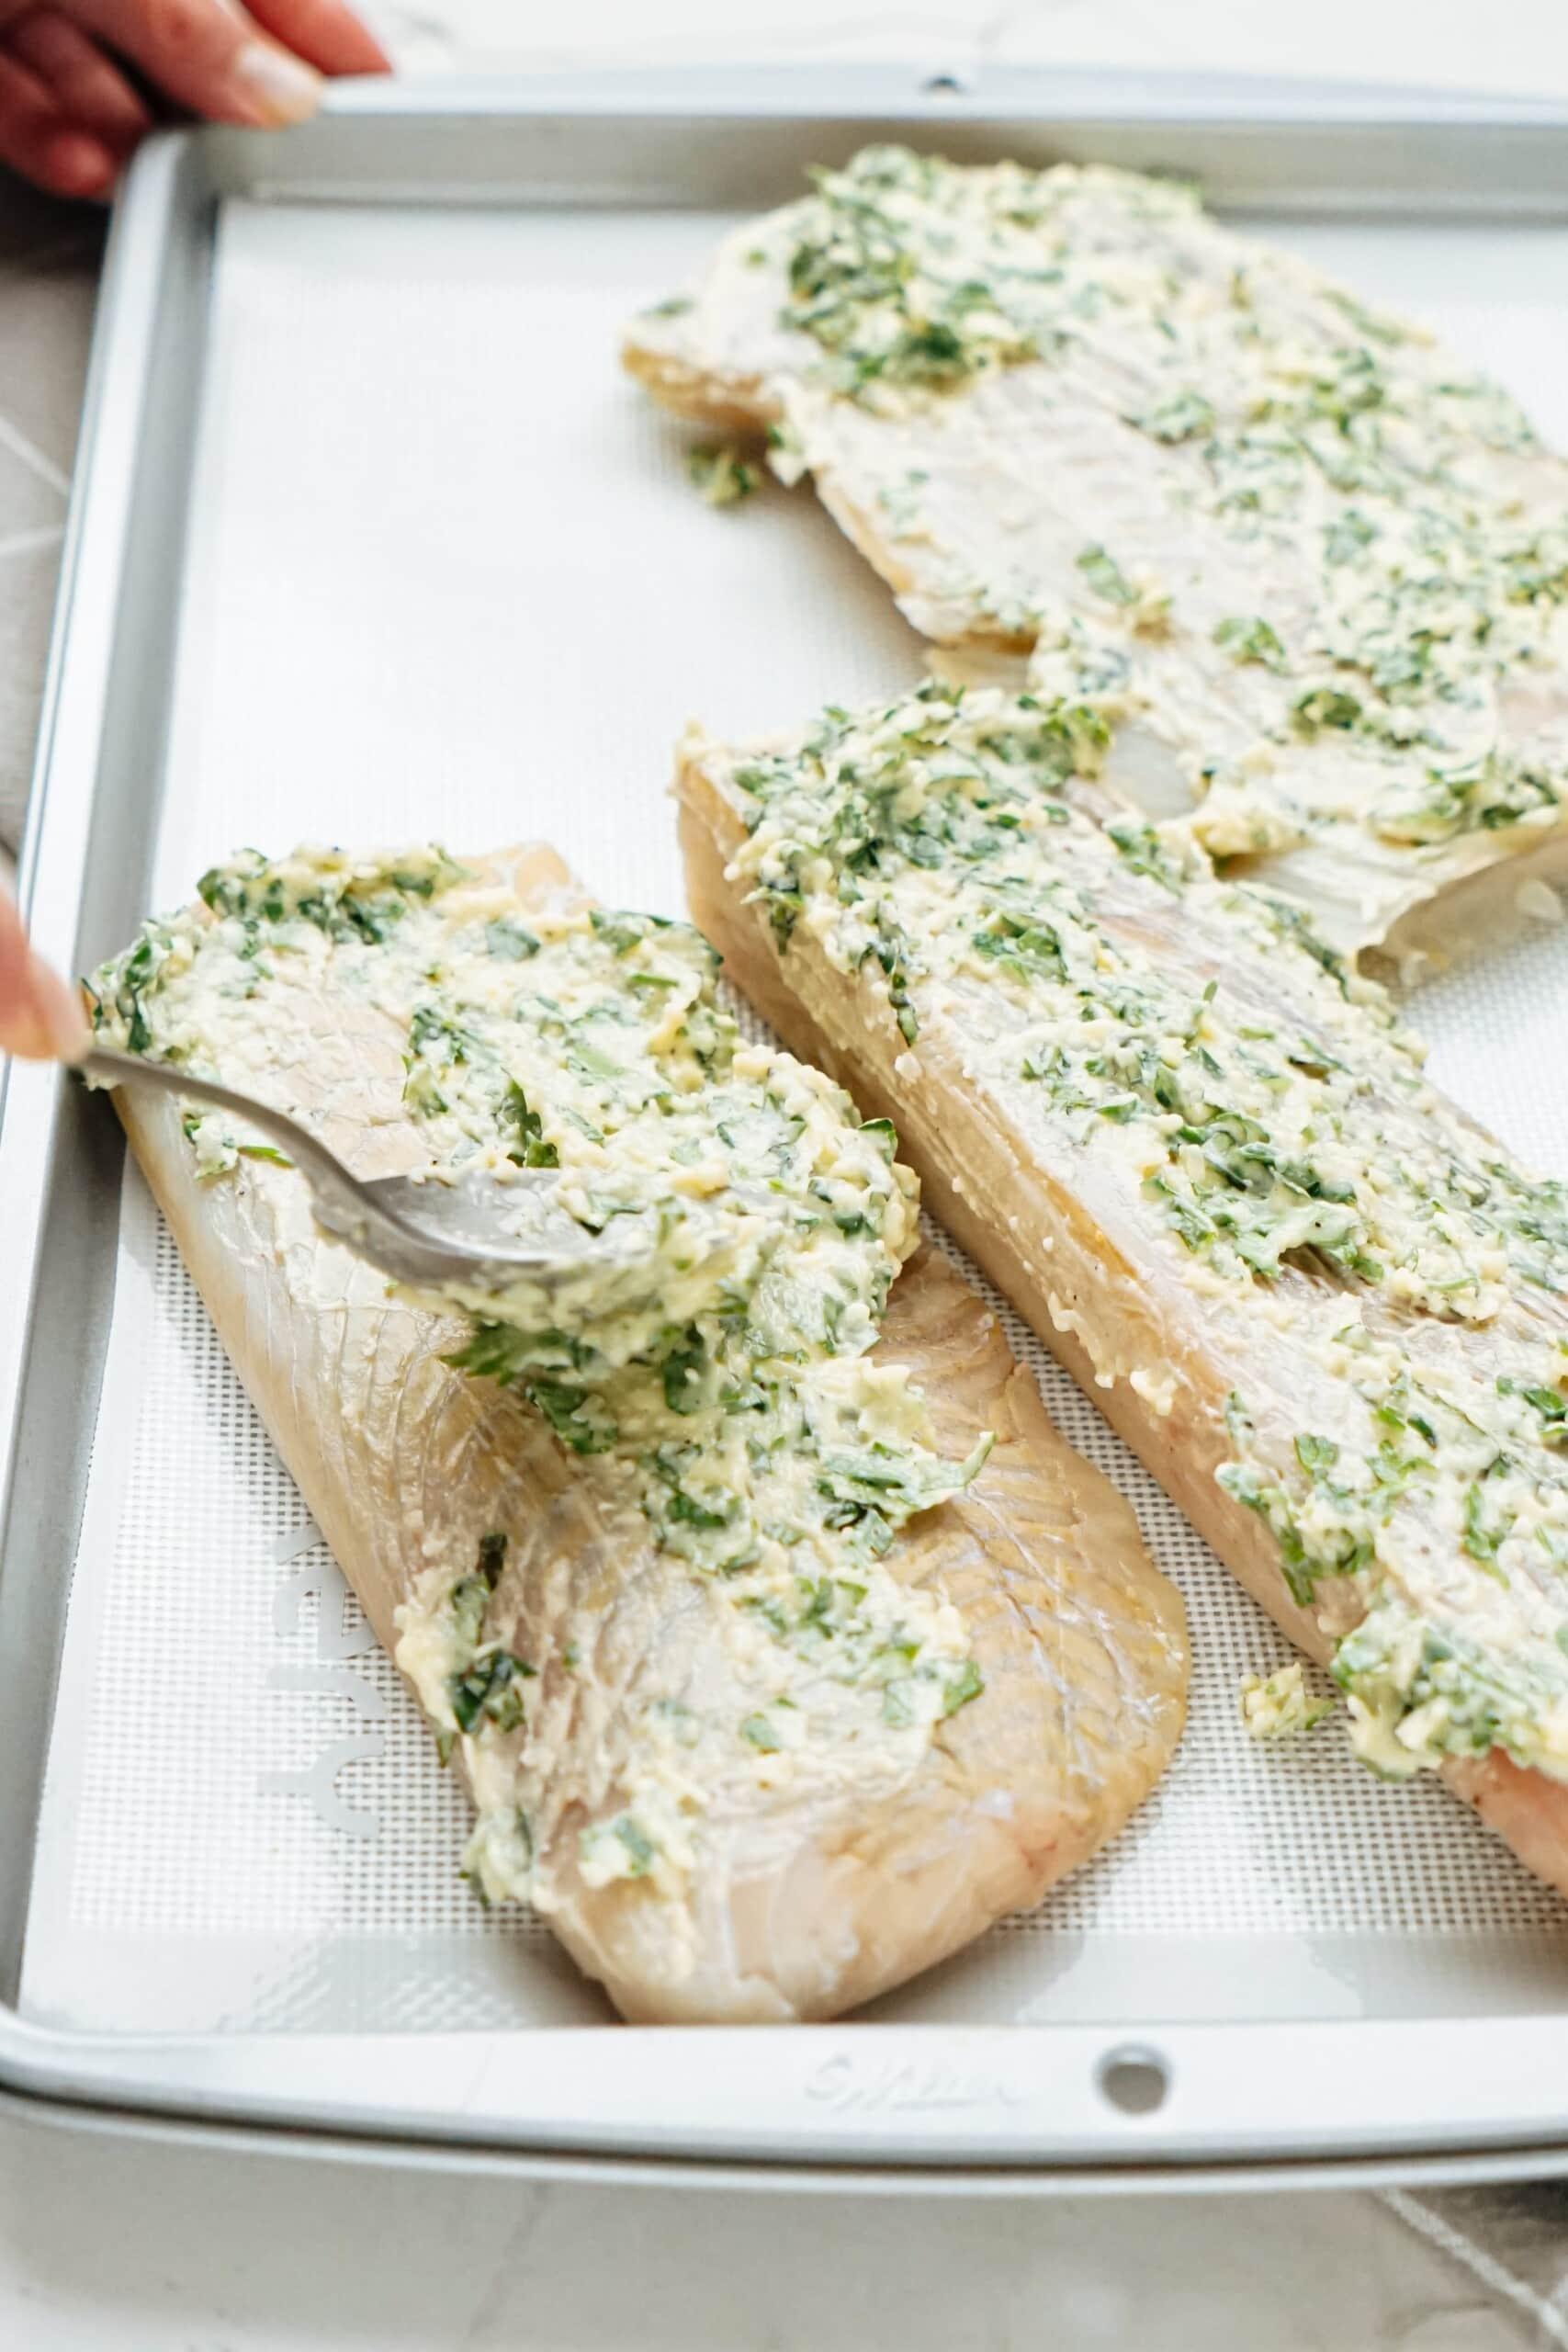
(208, 55)
(41, 1018)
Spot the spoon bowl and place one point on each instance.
(483, 1233)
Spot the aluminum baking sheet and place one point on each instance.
(374, 541)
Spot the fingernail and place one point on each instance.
(280, 90)
(59, 1013)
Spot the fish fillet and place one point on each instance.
(1329, 1312)
(812, 1880)
(1312, 567)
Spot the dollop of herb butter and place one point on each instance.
(722, 475)
(1278, 1706)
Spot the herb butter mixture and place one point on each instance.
(1381, 1289)
(1320, 565)
(1278, 1706)
(730, 1400)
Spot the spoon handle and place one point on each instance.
(318, 1164)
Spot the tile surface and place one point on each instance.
(46, 320)
(1521, 46)
(114, 2250)
(48, 261)
(29, 570)
(32, 488)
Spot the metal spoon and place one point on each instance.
(427, 1233)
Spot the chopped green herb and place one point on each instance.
(1105, 577)
(1251, 640)
(510, 939)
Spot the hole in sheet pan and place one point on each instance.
(1134, 2080)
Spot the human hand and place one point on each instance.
(70, 112)
(41, 1018)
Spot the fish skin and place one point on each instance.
(809, 1902)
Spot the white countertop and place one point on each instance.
(106, 2246)
(109, 2246)
(1518, 45)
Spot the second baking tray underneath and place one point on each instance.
(445, 576)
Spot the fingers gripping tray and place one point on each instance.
(372, 541)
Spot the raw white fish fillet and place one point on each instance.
(1313, 567)
(1327, 1311)
(810, 1887)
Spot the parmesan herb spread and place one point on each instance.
(1381, 1286)
(734, 1404)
